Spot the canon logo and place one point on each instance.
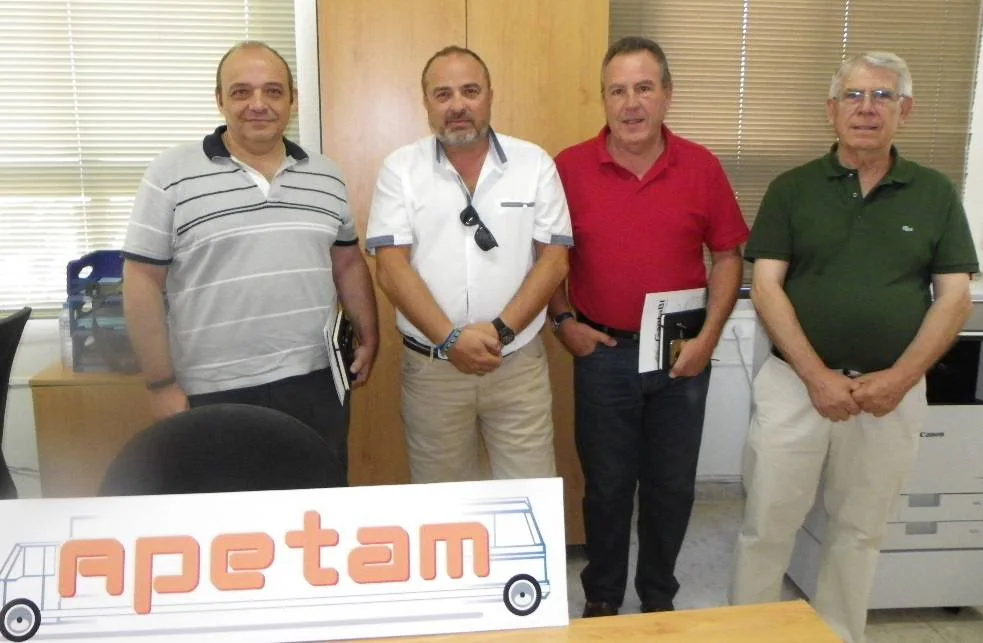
(932, 434)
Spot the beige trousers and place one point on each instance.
(863, 463)
(444, 411)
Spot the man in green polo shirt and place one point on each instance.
(846, 249)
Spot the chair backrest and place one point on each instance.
(11, 329)
(220, 448)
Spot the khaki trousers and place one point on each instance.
(444, 411)
(863, 463)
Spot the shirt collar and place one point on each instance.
(604, 156)
(900, 171)
(500, 156)
(214, 146)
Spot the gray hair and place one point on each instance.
(875, 60)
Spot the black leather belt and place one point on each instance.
(607, 330)
(422, 349)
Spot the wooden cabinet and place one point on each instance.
(544, 57)
(82, 420)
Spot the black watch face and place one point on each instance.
(506, 335)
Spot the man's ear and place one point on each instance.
(831, 106)
(907, 106)
(218, 100)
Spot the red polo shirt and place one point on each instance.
(635, 236)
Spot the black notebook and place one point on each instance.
(678, 326)
(343, 344)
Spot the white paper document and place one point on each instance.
(653, 335)
(339, 373)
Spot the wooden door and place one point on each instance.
(545, 60)
(544, 57)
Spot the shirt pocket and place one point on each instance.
(516, 204)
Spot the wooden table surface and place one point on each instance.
(786, 622)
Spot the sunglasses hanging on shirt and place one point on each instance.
(483, 237)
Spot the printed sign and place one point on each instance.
(309, 565)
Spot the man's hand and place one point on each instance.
(476, 351)
(693, 358)
(880, 392)
(362, 365)
(580, 339)
(168, 401)
(831, 393)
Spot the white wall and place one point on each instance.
(40, 344)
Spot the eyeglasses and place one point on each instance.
(482, 236)
(877, 96)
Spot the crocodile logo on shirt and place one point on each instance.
(907, 228)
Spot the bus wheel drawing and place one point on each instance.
(522, 594)
(19, 620)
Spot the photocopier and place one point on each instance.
(932, 554)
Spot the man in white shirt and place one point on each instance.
(471, 230)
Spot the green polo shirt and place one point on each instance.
(860, 268)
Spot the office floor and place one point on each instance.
(704, 572)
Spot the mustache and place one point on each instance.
(458, 116)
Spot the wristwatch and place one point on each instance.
(559, 319)
(505, 334)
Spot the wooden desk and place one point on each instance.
(82, 420)
(787, 622)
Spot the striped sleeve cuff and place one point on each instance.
(142, 259)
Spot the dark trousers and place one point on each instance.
(310, 398)
(635, 430)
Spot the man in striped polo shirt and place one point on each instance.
(248, 238)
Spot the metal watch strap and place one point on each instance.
(559, 319)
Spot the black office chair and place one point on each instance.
(11, 329)
(223, 447)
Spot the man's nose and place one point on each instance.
(457, 104)
(867, 104)
(631, 98)
(256, 101)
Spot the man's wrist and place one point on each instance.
(156, 385)
(449, 342)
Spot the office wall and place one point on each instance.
(40, 343)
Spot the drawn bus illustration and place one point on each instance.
(443, 578)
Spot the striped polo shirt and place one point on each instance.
(249, 282)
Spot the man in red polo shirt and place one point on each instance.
(644, 203)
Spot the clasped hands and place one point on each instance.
(477, 351)
(839, 397)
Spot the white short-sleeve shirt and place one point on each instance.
(418, 200)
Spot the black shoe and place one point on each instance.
(599, 608)
(651, 606)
